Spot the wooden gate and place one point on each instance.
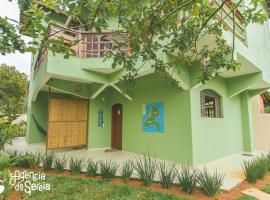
(67, 123)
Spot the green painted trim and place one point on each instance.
(239, 84)
(247, 124)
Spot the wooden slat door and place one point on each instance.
(67, 123)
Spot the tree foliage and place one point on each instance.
(9, 39)
(158, 28)
(13, 90)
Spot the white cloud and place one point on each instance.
(21, 61)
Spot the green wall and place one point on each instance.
(215, 138)
(175, 143)
(39, 109)
(188, 137)
(99, 137)
(247, 123)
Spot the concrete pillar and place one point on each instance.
(247, 123)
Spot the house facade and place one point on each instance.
(261, 119)
(81, 101)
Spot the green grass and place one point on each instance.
(266, 189)
(70, 188)
(245, 197)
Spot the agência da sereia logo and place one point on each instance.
(25, 181)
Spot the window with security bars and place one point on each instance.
(210, 104)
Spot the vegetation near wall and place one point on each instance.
(13, 90)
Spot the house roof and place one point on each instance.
(266, 98)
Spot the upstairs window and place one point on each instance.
(210, 104)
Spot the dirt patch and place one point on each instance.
(198, 194)
(15, 195)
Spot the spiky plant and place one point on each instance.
(127, 170)
(146, 168)
(60, 164)
(47, 161)
(6, 162)
(92, 168)
(187, 179)
(76, 165)
(167, 174)
(24, 160)
(108, 169)
(210, 183)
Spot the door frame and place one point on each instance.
(114, 108)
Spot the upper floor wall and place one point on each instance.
(252, 44)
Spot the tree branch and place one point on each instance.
(211, 16)
(96, 13)
(175, 10)
(233, 47)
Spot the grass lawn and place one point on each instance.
(266, 189)
(64, 188)
(245, 197)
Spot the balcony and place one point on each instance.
(226, 16)
(86, 44)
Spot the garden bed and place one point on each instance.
(155, 190)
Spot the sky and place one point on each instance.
(21, 61)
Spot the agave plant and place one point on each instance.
(210, 183)
(127, 170)
(92, 168)
(60, 164)
(47, 161)
(256, 168)
(108, 169)
(146, 168)
(187, 179)
(167, 174)
(76, 165)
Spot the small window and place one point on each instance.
(210, 104)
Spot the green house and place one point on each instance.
(81, 101)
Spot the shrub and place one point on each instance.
(60, 164)
(268, 163)
(108, 169)
(262, 165)
(47, 161)
(167, 174)
(127, 170)
(146, 168)
(6, 136)
(250, 170)
(5, 175)
(92, 168)
(6, 162)
(38, 159)
(75, 165)
(256, 168)
(210, 183)
(25, 160)
(187, 179)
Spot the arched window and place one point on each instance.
(210, 104)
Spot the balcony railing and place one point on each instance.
(86, 44)
(227, 18)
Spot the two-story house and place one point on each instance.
(80, 101)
